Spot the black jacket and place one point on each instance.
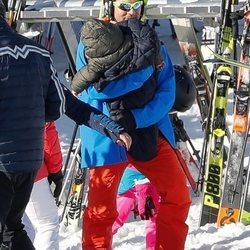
(30, 94)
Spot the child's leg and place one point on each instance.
(100, 214)
(29, 227)
(151, 233)
(124, 204)
(43, 214)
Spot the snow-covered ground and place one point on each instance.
(132, 236)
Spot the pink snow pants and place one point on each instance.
(165, 173)
(125, 204)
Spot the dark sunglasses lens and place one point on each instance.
(125, 6)
(137, 6)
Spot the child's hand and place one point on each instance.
(124, 140)
(148, 200)
(74, 93)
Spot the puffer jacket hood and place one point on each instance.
(101, 38)
(104, 48)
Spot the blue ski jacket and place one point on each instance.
(98, 150)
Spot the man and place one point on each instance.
(30, 95)
(107, 164)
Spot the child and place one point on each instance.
(136, 188)
(41, 215)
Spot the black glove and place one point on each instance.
(57, 178)
(123, 117)
(150, 209)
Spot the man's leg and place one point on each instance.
(6, 196)
(124, 204)
(100, 214)
(167, 176)
(14, 233)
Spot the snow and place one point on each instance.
(132, 236)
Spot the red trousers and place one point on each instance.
(165, 173)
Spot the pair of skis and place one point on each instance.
(217, 202)
(185, 33)
(232, 203)
(189, 45)
(216, 124)
(14, 9)
(224, 205)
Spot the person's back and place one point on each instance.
(25, 75)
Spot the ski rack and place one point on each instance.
(78, 10)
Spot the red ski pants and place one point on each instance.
(166, 174)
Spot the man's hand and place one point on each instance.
(124, 140)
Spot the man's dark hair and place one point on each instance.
(2, 9)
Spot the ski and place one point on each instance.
(75, 205)
(190, 48)
(49, 39)
(225, 60)
(245, 206)
(75, 191)
(14, 9)
(216, 125)
(229, 210)
(105, 8)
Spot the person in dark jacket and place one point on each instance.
(30, 95)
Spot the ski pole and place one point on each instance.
(182, 133)
(72, 165)
(195, 151)
(70, 149)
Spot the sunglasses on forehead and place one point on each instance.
(128, 6)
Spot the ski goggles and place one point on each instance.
(128, 6)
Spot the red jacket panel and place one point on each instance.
(52, 152)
